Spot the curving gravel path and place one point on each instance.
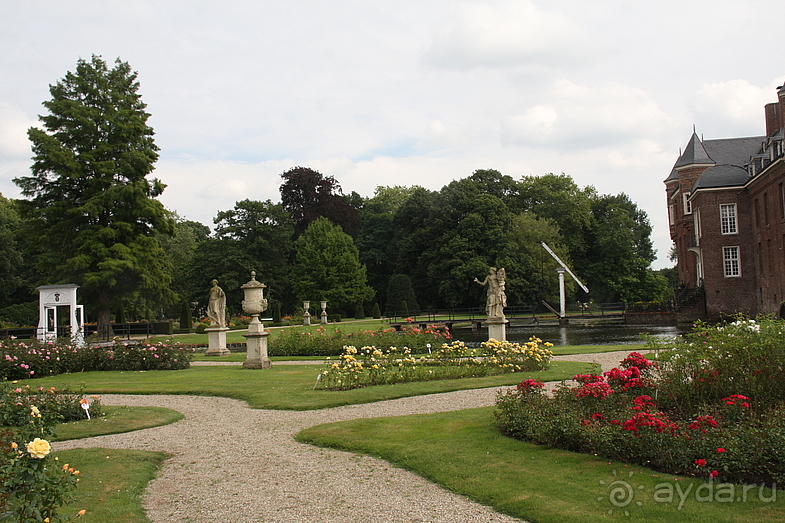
(235, 464)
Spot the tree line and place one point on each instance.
(91, 216)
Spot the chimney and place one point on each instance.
(775, 113)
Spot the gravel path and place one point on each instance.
(235, 464)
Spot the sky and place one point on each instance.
(383, 93)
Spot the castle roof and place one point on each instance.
(726, 151)
(734, 151)
(722, 176)
(694, 153)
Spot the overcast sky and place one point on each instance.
(405, 92)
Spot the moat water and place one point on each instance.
(580, 334)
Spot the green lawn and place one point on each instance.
(111, 483)
(456, 445)
(236, 336)
(117, 420)
(240, 357)
(562, 350)
(287, 387)
(464, 452)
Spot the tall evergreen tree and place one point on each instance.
(328, 267)
(400, 292)
(91, 204)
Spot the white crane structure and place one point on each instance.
(561, 270)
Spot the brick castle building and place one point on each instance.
(726, 209)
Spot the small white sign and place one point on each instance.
(86, 407)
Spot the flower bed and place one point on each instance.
(20, 360)
(33, 483)
(53, 405)
(373, 366)
(324, 342)
(708, 408)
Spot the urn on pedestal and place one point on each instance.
(323, 303)
(306, 313)
(256, 339)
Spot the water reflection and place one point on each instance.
(580, 334)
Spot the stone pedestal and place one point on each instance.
(216, 337)
(323, 303)
(306, 313)
(497, 329)
(256, 341)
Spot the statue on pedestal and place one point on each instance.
(496, 299)
(216, 306)
(216, 332)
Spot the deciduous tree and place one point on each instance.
(307, 194)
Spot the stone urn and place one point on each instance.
(323, 303)
(306, 313)
(254, 302)
(256, 339)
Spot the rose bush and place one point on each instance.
(20, 360)
(693, 412)
(372, 366)
(331, 341)
(52, 404)
(33, 485)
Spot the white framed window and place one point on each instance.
(728, 224)
(696, 224)
(687, 203)
(730, 262)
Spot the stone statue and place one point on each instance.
(497, 299)
(216, 306)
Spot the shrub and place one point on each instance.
(331, 341)
(359, 312)
(186, 318)
(705, 409)
(20, 314)
(370, 365)
(276, 313)
(54, 406)
(22, 360)
(745, 357)
(33, 484)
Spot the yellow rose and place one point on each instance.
(38, 448)
(34, 411)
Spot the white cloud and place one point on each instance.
(198, 190)
(506, 33)
(732, 108)
(403, 92)
(580, 116)
(14, 123)
(535, 125)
